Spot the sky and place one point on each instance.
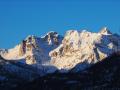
(20, 18)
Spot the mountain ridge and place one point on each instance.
(84, 47)
(53, 54)
(65, 52)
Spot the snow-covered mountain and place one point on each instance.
(34, 49)
(52, 52)
(84, 48)
(28, 60)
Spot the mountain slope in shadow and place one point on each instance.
(104, 74)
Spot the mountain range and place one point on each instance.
(52, 53)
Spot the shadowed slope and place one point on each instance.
(104, 74)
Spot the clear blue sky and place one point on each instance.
(20, 18)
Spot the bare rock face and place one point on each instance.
(30, 59)
(31, 45)
(52, 38)
(83, 46)
(22, 48)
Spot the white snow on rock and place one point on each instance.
(84, 48)
(12, 54)
(78, 49)
(34, 50)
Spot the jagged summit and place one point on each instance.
(76, 47)
(84, 47)
(105, 31)
(34, 49)
(77, 50)
(51, 33)
(52, 37)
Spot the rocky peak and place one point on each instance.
(105, 31)
(36, 49)
(84, 46)
(53, 38)
(27, 47)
